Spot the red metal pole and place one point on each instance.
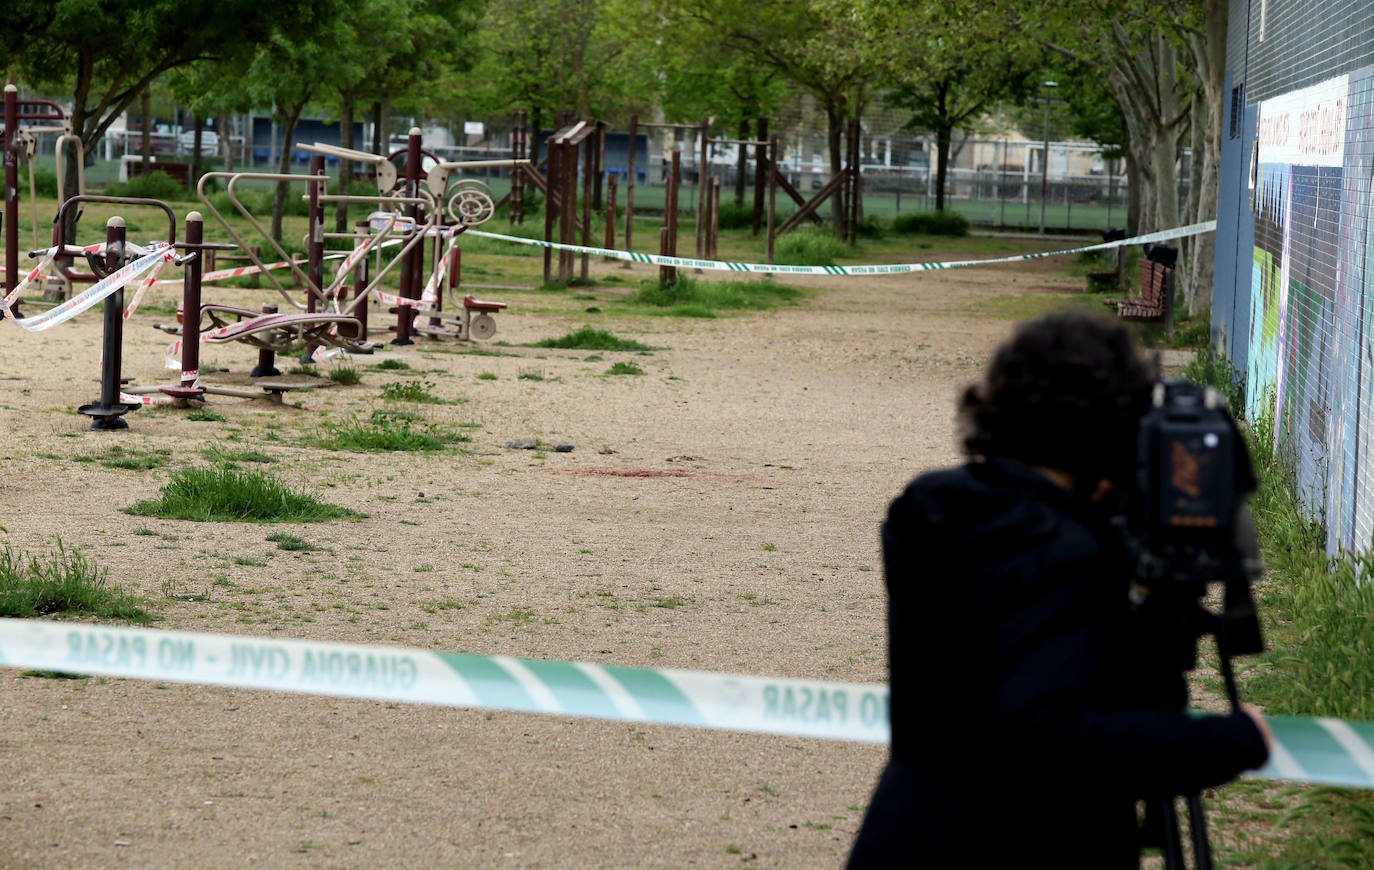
(12, 188)
(314, 270)
(190, 301)
(360, 283)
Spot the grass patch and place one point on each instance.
(383, 433)
(392, 365)
(130, 460)
(687, 297)
(809, 246)
(530, 376)
(588, 338)
(64, 583)
(220, 456)
(487, 376)
(291, 542)
(345, 374)
(228, 495)
(421, 392)
(205, 416)
(624, 368)
(1318, 615)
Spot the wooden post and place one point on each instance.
(591, 186)
(760, 170)
(772, 192)
(600, 168)
(703, 173)
(550, 185)
(630, 185)
(567, 230)
(610, 213)
(668, 274)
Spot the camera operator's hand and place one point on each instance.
(1257, 717)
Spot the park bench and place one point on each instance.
(1155, 304)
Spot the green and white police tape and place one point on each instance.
(1328, 751)
(879, 269)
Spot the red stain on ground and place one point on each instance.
(633, 472)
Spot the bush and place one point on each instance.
(155, 185)
(735, 217)
(931, 223)
(1212, 369)
(871, 227)
(45, 182)
(809, 246)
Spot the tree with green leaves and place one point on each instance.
(952, 64)
(836, 50)
(1163, 63)
(107, 52)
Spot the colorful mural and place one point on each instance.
(1310, 352)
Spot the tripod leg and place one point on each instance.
(1173, 847)
(1197, 827)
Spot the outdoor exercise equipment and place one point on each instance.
(19, 141)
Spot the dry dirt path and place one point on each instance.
(783, 435)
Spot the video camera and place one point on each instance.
(1188, 525)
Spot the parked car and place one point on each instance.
(209, 141)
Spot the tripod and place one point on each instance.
(1165, 818)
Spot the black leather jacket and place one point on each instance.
(1028, 712)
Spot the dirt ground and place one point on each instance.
(786, 434)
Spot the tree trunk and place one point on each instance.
(384, 125)
(198, 126)
(743, 166)
(835, 138)
(943, 136)
(377, 128)
(226, 151)
(146, 107)
(289, 119)
(345, 166)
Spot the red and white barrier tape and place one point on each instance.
(93, 294)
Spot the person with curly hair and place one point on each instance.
(1029, 715)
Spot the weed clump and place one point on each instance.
(65, 583)
(386, 433)
(226, 495)
(588, 338)
(686, 297)
(810, 246)
(624, 368)
(411, 391)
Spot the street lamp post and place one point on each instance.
(1045, 161)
